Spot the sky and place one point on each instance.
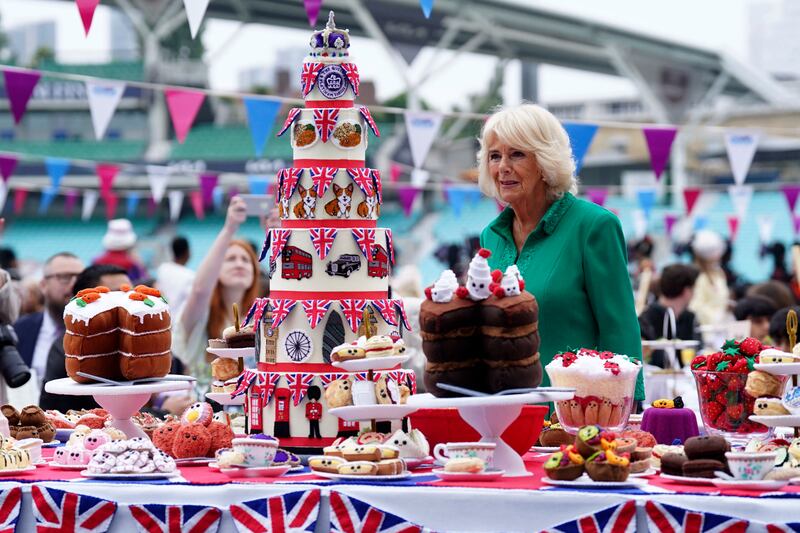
(231, 47)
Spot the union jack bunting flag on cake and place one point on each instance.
(293, 512)
(616, 519)
(9, 509)
(350, 515)
(175, 518)
(58, 511)
(664, 518)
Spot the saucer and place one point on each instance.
(487, 475)
(750, 484)
(255, 471)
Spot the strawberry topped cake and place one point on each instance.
(604, 383)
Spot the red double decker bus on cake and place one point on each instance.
(378, 265)
(296, 263)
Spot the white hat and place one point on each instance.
(708, 245)
(119, 235)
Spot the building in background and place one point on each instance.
(774, 47)
(123, 42)
(26, 40)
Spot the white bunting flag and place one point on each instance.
(741, 147)
(422, 128)
(3, 195)
(103, 101)
(175, 204)
(90, 197)
(195, 11)
(765, 225)
(419, 177)
(639, 223)
(740, 198)
(158, 177)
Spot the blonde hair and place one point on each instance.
(532, 129)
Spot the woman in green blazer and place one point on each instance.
(570, 252)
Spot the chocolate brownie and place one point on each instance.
(701, 467)
(672, 464)
(706, 447)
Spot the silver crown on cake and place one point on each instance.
(330, 41)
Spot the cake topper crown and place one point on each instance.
(330, 38)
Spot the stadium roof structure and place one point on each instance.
(666, 72)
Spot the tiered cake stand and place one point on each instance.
(122, 401)
(792, 421)
(224, 398)
(375, 412)
(490, 416)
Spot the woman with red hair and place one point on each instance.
(228, 275)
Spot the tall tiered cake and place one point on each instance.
(329, 262)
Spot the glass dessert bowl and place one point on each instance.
(604, 385)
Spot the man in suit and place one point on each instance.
(37, 331)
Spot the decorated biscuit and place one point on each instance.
(358, 468)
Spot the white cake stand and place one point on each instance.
(490, 416)
(121, 402)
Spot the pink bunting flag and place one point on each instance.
(19, 200)
(733, 226)
(19, 88)
(669, 223)
(312, 11)
(183, 107)
(196, 198)
(207, 184)
(597, 195)
(106, 172)
(111, 200)
(395, 171)
(86, 9)
(659, 143)
(791, 193)
(69, 202)
(7, 166)
(690, 196)
(407, 196)
(795, 219)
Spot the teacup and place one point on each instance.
(750, 466)
(256, 452)
(459, 450)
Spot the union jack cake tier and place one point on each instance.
(328, 261)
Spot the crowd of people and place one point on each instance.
(525, 162)
(704, 295)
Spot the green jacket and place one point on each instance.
(574, 263)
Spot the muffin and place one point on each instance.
(640, 459)
(592, 439)
(566, 464)
(624, 445)
(555, 435)
(608, 466)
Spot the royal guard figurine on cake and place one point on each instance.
(328, 261)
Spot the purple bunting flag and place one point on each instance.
(791, 192)
(19, 89)
(659, 142)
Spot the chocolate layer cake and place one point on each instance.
(488, 346)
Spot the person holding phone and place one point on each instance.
(227, 275)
